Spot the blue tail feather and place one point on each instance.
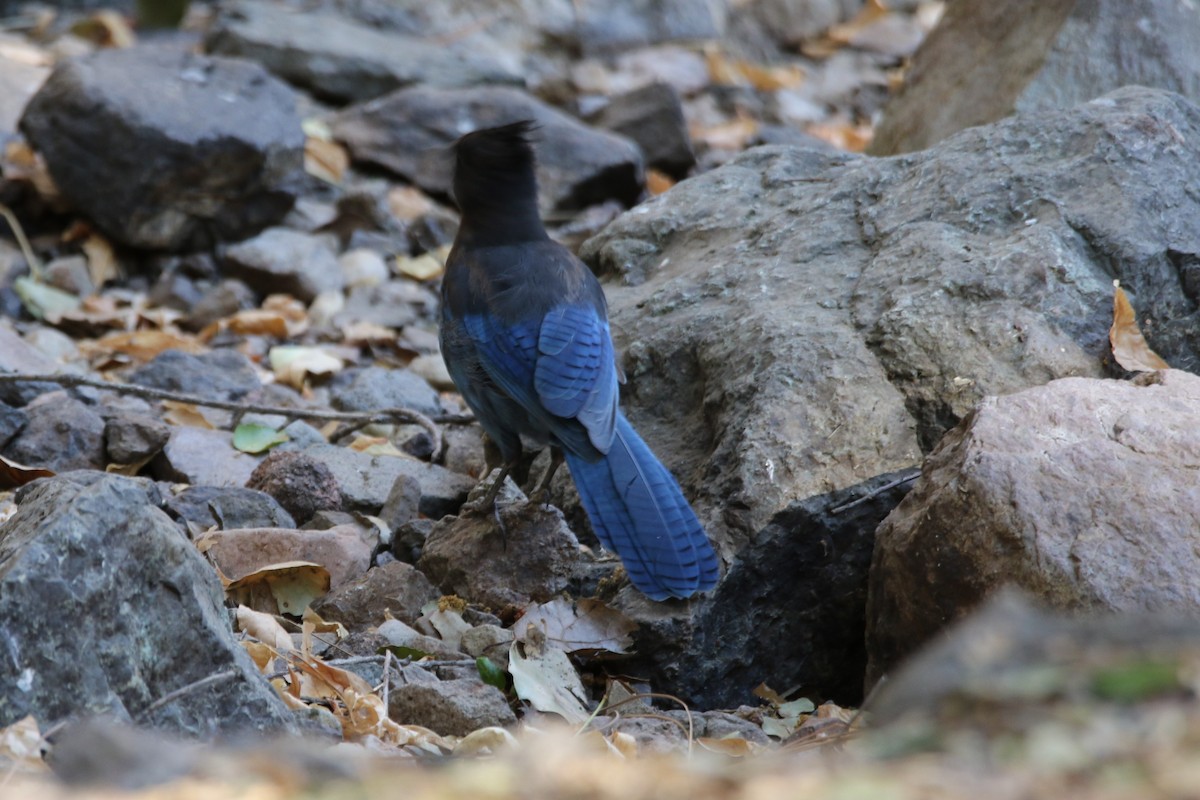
(639, 512)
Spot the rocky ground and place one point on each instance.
(232, 463)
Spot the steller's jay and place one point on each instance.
(525, 337)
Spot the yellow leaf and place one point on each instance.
(293, 364)
(424, 267)
(1128, 345)
(326, 160)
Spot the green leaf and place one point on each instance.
(491, 673)
(43, 301)
(1127, 683)
(251, 437)
(399, 651)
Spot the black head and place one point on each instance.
(494, 180)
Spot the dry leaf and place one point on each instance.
(13, 474)
(286, 588)
(265, 628)
(485, 741)
(102, 260)
(21, 163)
(407, 203)
(143, 345)
(728, 71)
(658, 182)
(841, 35)
(731, 135)
(734, 746)
(843, 135)
(105, 28)
(21, 748)
(424, 267)
(376, 446)
(1129, 347)
(293, 364)
(583, 625)
(545, 678)
(325, 159)
(185, 415)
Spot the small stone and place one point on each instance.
(300, 483)
(279, 260)
(652, 116)
(203, 457)
(375, 388)
(488, 641)
(451, 708)
(403, 502)
(71, 274)
(223, 300)
(395, 589)
(219, 375)
(133, 438)
(60, 434)
(362, 267)
(433, 369)
(12, 420)
(241, 551)
(227, 507)
(366, 480)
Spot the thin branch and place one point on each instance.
(186, 690)
(69, 381)
(35, 264)
(911, 476)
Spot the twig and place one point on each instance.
(185, 690)
(35, 265)
(69, 381)
(387, 682)
(913, 475)
(690, 729)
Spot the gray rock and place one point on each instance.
(367, 480)
(652, 117)
(987, 59)
(791, 22)
(12, 420)
(805, 577)
(300, 483)
(219, 375)
(203, 457)
(165, 149)
(610, 26)
(226, 507)
(403, 501)
(377, 388)
(98, 548)
(394, 304)
(340, 59)
(18, 83)
(1022, 493)
(395, 589)
(130, 438)
(666, 731)
(1014, 661)
(279, 260)
(222, 300)
(408, 132)
(488, 641)
(71, 274)
(795, 322)
(18, 355)
(470, 556)
(60, 434)
(451, 708)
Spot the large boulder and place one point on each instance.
(165, 149)
(106, 608)
(989, 58)
(796, 322)
(341, 59)
(1082, 492)
(409, 132)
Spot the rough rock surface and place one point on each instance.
(989, 58)
(797, 322)
(652, 117)
(340, 59)
(471, 557)
(219, 375)
(165, 149)
(60, 434)
(96, 549)
(227, 507)
(203, 457)
(408, 132)
(395, 588)
(300, 483)
(790, 611)
(131, 437)
(377, 388)
(366, 480)
(451, 708)
(1082, 492)
(287, 261)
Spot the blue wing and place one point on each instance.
(558, 367)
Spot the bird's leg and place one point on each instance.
(541, 492)
(488, 503)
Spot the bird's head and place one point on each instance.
(494, 168)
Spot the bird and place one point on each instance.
(525, 336)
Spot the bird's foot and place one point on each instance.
(541, 493)
(488, 505)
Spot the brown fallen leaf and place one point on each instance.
(185, 415)
(265, 628)
(286, 588)
(658, 182)
(1129, 347)
(142, 345)
(728, 71)
(731, 135)
(407, 203)
(843, 135)
(293, 364)
(326, 160)
(106, 28)
(841, 35)
(13, 474)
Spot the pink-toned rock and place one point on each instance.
(342, 550)
(1083, 492)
